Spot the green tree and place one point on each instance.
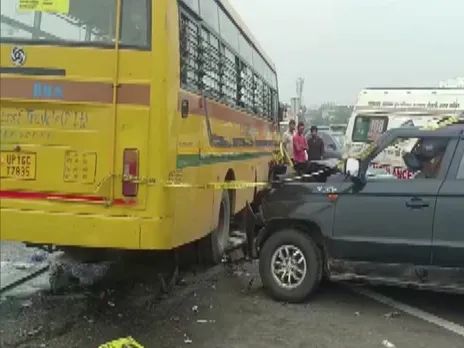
(341, 114)
(314, 117)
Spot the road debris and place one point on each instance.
(250, 284)
(187, 340)
(26, 303)
(35, 331)
(22, 265)
(388, 344)
(121, 343)
(64, 269)
(39, 256)
(392, 315)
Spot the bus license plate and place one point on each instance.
(18, 165)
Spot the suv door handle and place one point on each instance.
(416, 203)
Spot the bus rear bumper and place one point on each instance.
(95, 231)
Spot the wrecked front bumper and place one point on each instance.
(254, 225)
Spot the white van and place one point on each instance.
(380, 109)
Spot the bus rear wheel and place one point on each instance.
(213, 246)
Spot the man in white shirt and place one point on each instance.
(287, 138)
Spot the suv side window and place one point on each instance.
(461, 169)
(427, 154)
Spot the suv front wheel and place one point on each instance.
(290, 266)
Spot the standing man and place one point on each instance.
(315, 148)
(299, 149)
(288, 139)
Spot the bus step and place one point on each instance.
(237, 240)
(236, 248)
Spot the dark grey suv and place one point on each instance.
(356, 226)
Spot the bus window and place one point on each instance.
(193, 4)
(209, 12)
(189, 36)
(135, 23)
(368, 128)
(88, 23)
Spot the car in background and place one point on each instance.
(332, 146)
(339, 137)
(319, 128)
(338, 127)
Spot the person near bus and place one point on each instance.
(315, 148)
(288, 139)
(300, 146)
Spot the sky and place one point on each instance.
(342, 46)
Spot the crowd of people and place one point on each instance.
(302, 150)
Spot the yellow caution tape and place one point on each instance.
(228, 185)
(281, 157)
(127, 342)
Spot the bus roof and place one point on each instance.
(243, 27)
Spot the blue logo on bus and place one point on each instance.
(44, 90)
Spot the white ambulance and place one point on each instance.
(380, 109)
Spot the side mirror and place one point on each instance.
(352, 166)
(331, 146)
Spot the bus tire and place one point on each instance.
(274, 251)
(212, 247)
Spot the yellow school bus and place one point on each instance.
(94, 128)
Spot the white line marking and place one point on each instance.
(418, 313)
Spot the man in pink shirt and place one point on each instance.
(300, 145)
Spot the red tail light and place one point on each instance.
(130, 172)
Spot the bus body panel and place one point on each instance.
(206, 154)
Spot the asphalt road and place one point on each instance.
(219, 308)
(446, 306)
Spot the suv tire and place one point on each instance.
(274, 251)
